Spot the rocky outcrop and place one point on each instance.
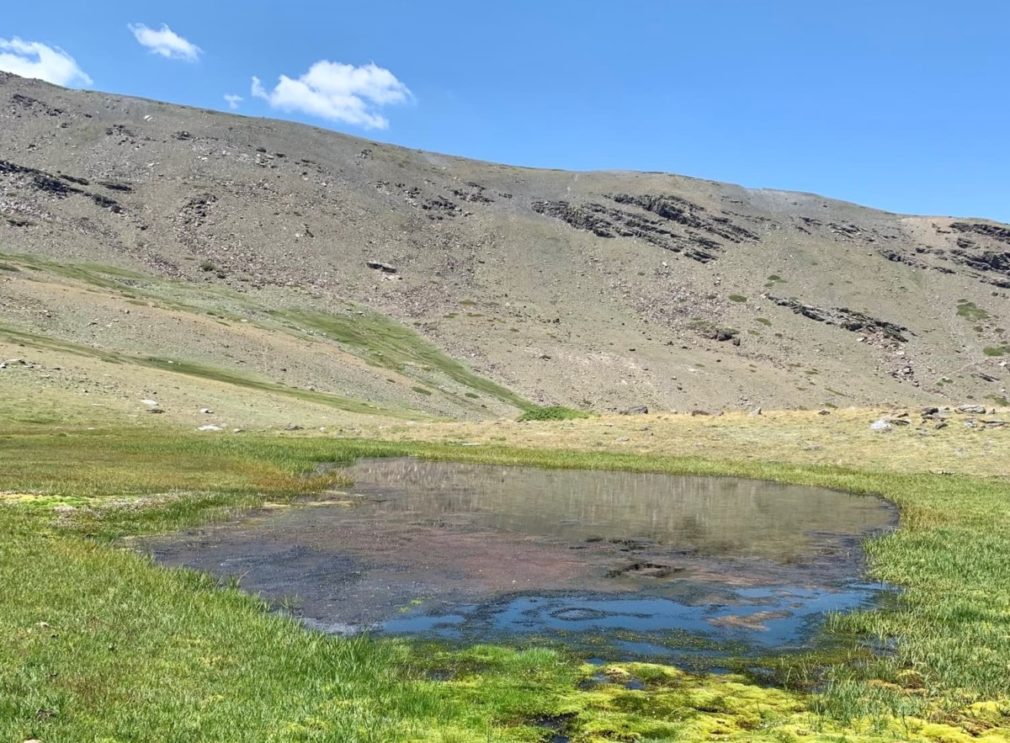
(855, 322)
(609, 222)
(58, 186)
(687, 214)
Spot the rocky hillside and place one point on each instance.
(259, 252)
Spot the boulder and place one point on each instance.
(881, 424)
(972, 409)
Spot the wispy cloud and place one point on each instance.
(165, 42)
(338, 92)
(34, 59)
(234, 101)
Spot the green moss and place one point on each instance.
(737, 298)
(1000, 350)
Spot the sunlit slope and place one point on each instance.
(592, 290)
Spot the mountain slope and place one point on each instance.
(596, 290)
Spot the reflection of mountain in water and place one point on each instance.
(715, 516)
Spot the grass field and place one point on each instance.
(100, 644)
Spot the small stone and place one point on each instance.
(635, 410)
(755, 412)
(156, 411)
(882, 424)
(210, 427)
(823, 411)
(293, 427)
(380, 266)
(206, 411)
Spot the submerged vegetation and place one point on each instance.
(101, 643)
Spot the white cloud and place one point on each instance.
(234, 101)
(338, 92)
(33, 59)
(165, 42)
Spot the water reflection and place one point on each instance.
(619, 563)
(707, 515)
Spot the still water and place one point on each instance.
(619, 564)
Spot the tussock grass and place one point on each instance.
(101, 644)
(551, 413)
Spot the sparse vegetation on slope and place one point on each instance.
(536, 282)
(388, 344)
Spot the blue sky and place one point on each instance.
(896, 104)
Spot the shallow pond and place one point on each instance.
(617, 564)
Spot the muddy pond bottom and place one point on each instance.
(617, 565)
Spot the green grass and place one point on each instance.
(385, 343)
(203, 371)
(737, 298)
(102, 645)
(379, 340)
(1000, 350)
(250, 382)
(970, 311)
(551, 413)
